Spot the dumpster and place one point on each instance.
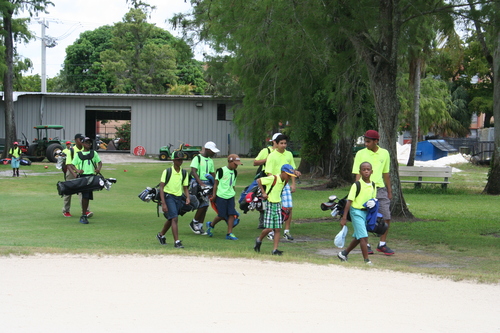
(432, 150)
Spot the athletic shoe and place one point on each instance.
(342, 256)
(83, 219)
(89, 213)
(368, 262)
(385, 249)
(287, 235)
(67, 214)
(258, 243)
(161, 239)
(200, 228)
(270, 235)
(178, 245)
(370, 251)
(231, 236)
(209, 229)
(277, 252)
(194, 227)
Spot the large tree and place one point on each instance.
(132, 56)
(14, 29)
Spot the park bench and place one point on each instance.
(419, 173)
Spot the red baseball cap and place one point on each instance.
(372, 134)
(16, 143)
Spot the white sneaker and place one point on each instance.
(270, 235)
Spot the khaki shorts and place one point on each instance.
(384, 207)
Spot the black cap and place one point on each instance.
(79, 136)
(87, 139)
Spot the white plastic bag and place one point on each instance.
(339, 240)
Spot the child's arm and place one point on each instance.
(164, 207)
(343, 221)
(264, 194)
(214, 191)
(186, 193)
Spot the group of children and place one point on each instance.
(223, 196)
(273, 182)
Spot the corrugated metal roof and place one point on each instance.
(129, 96)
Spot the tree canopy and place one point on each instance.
(132, 56)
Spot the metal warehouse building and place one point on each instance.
(156, 120)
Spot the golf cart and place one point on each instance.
(190, 151)
(44, 145)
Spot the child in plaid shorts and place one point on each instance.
(273, 219)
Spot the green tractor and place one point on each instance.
(44, 145)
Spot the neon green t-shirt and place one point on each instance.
(275, 195)
(380, 161)
(175, 184)
(225, 188)
(366, 192)
(204, 165)
(276, 160)
(86, 165)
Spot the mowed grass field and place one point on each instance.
(455, 233)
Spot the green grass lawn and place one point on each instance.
(455, 233)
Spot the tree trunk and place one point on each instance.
(493, 184)
(416, 110)
(10, 122)
(381, 59)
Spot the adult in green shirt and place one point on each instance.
(380, 160)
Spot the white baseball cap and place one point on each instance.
(211, 145)
(275, 136)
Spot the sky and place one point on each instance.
(67, 19)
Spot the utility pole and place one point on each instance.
(46, 42)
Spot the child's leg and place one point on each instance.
(351, 246)
(85, 205)
(364, 247)
(166, 226)
(264, 233)
(230, 222)
(277, 232)
(175, 228)
(216, 220)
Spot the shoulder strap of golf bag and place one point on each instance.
(274, 183)
(220, 173)
(89, 156)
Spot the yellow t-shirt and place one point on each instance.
(69, 159)
(15, 152)
(175, 184)
(275, 195)
(276, 160)
(367, 191)
(380, 162)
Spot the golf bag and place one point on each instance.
(86, 183)
(250, 198)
